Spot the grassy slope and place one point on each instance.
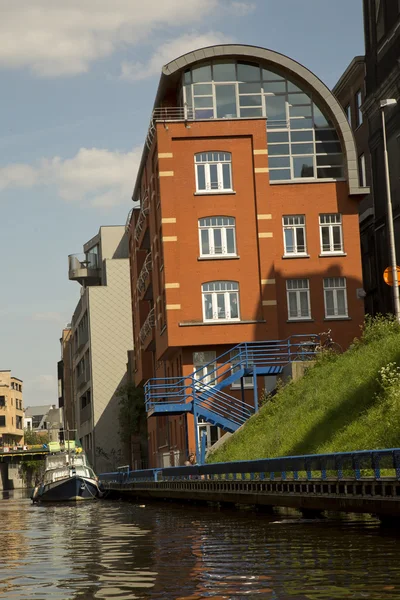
(335, 407)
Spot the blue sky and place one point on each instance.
(78, 81)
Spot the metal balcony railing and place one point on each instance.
(128, 221)
(148, 325)
(144, 211)
(144, 273)
(168, 113)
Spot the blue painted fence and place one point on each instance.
(313, 466)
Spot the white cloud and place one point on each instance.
(94, 176)
(55, 38)
(168, 51)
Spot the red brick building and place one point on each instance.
(245, 226)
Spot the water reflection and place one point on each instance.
(112, 550)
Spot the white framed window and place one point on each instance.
(213, 172)
(294, 234)
(248, 381)
(212, 432)
(335, 297)
(217, 236)
(298, 299)
(220, 301)
(362, 170)
(306, 144)
(331, 233)
(204, 365)
(359, 115)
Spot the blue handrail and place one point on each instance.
(202, 389)
(339, 462)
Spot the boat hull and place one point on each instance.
(70, 489)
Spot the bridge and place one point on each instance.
(359, 482)
(10, 465)
(203, 393)
(34, 453)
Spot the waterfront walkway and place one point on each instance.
(362, 482)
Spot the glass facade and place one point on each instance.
(302, 141)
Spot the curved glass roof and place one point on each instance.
(302, 141)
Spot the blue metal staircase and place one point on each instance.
(201, 393)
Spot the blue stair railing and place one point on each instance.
(201, 392)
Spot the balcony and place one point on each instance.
(82, 379)
(146, 332)
(168, 113)
(142, 236)
(84, 268)
(86, 413)
(144, 283)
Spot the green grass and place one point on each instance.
(340, 404)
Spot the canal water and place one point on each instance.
(122, 550)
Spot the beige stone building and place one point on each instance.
(65, 379)
(11, 410)
(101, 337)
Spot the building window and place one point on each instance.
(248, 381)
(331, 233)
(380, 19)
(294, 234)
(204, 366)
(2, 421)
(347, 110)
(335, 297)
(220, 301)
(298, 299)
(213, 172)
(359, 115)
(2, 401)
(217, 236)
(361, 170)
(307, 145)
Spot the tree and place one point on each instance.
(33, 438)
(132, 420)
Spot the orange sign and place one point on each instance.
(388, 275)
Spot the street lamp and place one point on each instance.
(392, 245)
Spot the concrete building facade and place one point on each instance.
(382, 43)
(350, 91)
(246, 221)
(65, 380)
(101, 337)
(11, 410)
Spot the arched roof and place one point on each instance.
(171, 73)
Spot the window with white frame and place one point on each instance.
(294, 234)
(302, 139)
(298, 299)
(248, 381)
(220, 301)
(204, 365)
(213, 172)
(362, 171)
(217, 236)
(331, 233)
(335, 297)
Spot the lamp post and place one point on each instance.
(392, 245)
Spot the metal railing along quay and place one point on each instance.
(364, 482)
